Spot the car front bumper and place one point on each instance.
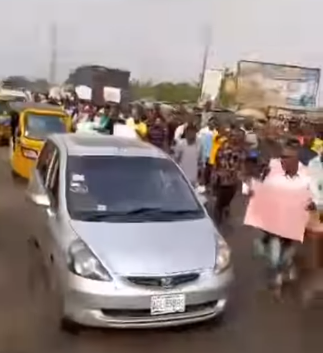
(122, 305)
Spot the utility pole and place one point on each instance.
(53, 55)
(207, 46)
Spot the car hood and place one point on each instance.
(151, 248)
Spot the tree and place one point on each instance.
(165, 91)
(39, 85)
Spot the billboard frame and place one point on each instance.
(292, 66)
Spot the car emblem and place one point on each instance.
(166, 282)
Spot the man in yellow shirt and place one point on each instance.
(218, 140)
(308, 138)
(317, 145)
(137, 124)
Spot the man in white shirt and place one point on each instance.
(179, 132)
(188, 154)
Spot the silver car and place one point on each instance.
(127, 241)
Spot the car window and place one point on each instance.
(121, 185)
(53, 179)
(44, 160)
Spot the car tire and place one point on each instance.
(70, 327)
(63, 323)
(220, 318)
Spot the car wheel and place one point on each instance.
(61, 321)
(220, 318)
(70, 327)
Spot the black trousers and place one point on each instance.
(207, 173)
(224, 195)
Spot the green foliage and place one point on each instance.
(165, 91)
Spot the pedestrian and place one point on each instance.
(14, 129)
(219, 138)
(280, 252)
(189, 119)
(206, 114)
(157, 134)
(188, 154)
(314, 232)
(250, 135)
(306, 151)
(206, 136)
(308, 137)
(105, 118)
(227, 173)
(136, 121)
(114, 118)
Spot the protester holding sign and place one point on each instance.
(279, 206)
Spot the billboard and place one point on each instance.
(211, 84)
(263, 84)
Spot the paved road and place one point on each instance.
(254, 324)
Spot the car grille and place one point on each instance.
(164, 282)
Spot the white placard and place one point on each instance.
(124, 131)
(112, 94)
(84, 92)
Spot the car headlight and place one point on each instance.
(83, 263)
(223, 255)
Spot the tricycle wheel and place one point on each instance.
(14, 175)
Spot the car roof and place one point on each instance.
(78, 144)
(20, 106)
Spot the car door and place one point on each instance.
(54, 221)
(38, 186)
(58, 240)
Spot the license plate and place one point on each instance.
(167, 304)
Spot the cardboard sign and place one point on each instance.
(84, 92)
(112, 94)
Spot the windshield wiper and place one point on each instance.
(97, 215)
(157, 210)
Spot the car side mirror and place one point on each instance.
(39, 199)
(36, 192)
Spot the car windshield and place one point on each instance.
(128, 189)
(39, 126)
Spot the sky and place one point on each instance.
(157, 39)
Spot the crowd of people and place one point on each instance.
(218, 158)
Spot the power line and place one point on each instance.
(53, 55)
